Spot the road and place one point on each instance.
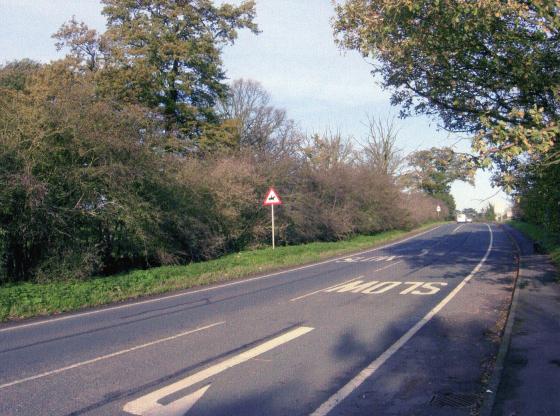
(383, 331)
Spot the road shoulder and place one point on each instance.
(531, 376)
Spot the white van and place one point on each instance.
(461, 218)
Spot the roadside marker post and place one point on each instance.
(438, 210)
(272, 199)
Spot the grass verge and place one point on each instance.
(550, 242)
(30, 299)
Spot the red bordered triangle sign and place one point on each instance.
(272, 198)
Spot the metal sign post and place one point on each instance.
(273, 239)
(272, 199)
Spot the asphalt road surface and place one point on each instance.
(379, 332)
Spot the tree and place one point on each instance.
(14, 75)
(259, 125)
(434, 170)
(490, 68)
(83, 192)
(165, 54)
(87, 190)
(86, 46)
(537, 195)
(380, 151)
(489, 213)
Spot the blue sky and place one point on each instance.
(295, 59)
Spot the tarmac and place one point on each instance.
(528, 373)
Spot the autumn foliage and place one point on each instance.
(98, 178)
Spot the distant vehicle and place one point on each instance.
(461, 218)
(469, 219)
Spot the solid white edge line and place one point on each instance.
(104, 357)
(147, 404)
(353, 384)
(128, 305)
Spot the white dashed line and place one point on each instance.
(104, 357)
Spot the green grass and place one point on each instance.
(31, 299)
(549, 241)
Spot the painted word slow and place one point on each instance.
(375, 287)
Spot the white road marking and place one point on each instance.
(413, 286)
(381, 288)
(389, 265)
(206, 289)
(322, 290)
(362, 259)
(354, 259)
(432, 290)
(457, 228)
(148, 404)
(375, 287)
(353, 384)
(327, 289)
(178, 407)
(354, 287)
(104, 357)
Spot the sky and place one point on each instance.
(295, 59)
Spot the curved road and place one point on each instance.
(345, 336)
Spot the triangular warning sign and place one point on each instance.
(272, 198)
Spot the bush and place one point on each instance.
(92, 186)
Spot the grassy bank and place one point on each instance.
(548, 241)
(29, 299)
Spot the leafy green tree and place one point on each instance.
(166, 54)
(537, 195)
(491, 68)
(434, 170)
(449, 202)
